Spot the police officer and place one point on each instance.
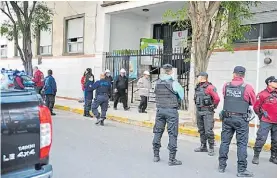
(168, 95)
(266, 108)
(206, 100)
(103, 90)
(237, 98)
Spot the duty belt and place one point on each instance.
(204, 109)
(229, 114)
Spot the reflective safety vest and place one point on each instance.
(234, 101)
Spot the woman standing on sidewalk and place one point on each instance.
(144, 86)
(83, 87)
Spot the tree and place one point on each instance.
(25, 19)
(214, 24)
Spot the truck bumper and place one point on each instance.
(45, 172)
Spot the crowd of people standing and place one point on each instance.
(45, 86)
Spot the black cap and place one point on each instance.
(167, 66)
(270, 79)
(204, 74)
(239, 70)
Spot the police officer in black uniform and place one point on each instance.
(238, 96)
(168, 95)
(103, 91)
(206, 100)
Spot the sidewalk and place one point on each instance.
(133, 117)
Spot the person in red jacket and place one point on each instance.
(206, 100)
(83, 79)
(38, 79)
(266, 108)
(238, 96)
(18, 81)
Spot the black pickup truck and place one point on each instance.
(26, 135)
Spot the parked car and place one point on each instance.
(26, 135)
(7, 80)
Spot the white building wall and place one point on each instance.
(127, 31)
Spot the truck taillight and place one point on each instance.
(45, 131)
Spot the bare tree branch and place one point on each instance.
(25, 9)
(216, 31)
(20, 10)
(8, 13)
(17, 12)
(191, 13)
(16, 43)
(32, 10)
(213, 7)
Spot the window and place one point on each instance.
(3, 51)
(75, 35)
(270, 30)
(253, 33)
(45, 41)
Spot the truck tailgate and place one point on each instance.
(20, 130)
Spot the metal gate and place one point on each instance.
(114, 61)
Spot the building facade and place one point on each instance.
(82, 31)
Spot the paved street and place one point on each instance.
(82, 150)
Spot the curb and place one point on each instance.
(182, 130)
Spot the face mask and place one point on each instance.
(108, 74)
(91, 79)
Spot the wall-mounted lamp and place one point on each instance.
(267, 60)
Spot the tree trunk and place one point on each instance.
(192, 82)
(200, 47)
(27, 50)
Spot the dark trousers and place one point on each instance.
(205, 124)
(103, 102)
(171, 118)
(87, 106)
(50, 101)
(143, 103)
(120, 95)
(262, 135)
(38, 89)
(229, 127)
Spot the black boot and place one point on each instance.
(102, 121)
(98, 121)
(273, 158)
(255, 159)
(245, 174)
(211, 151)
(156, 156)
(87, 114)
(221, 169)
(173, 161)
(52, 113)
(202, 148)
